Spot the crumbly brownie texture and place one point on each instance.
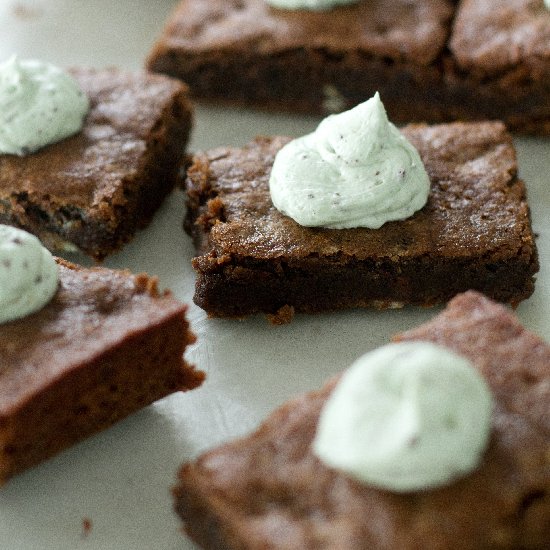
(107, 345)
(269, 491)
(246, 52)
(92, 191)
(474, 233)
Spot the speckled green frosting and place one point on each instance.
(28, 274)
(406, 417)
(355, 170)
(39, 104)
(309, 4)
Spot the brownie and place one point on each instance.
(249, 53)
(474, 233)
(268, 490)
(93, 190)
(501, 53)
(108, 344)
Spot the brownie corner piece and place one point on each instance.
(92, 191)
(474, 233)
(107, 344)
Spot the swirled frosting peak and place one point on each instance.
(355, 170)
(406, 417)
(28, 274)
(39, 105)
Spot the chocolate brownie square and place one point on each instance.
(93, 190)
(474, 233)
(250, 53)
(108, 344)
(501, 52)
(269, 490)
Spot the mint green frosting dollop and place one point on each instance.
(40, 104)
(355, 170)
(28, 274)
(406, 417)
(309, 4)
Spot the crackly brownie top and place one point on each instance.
(399, 30)
(270, 489)
(92, 311)
(493, 36)
(476, 205)
(88, 169)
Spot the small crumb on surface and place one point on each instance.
(24, 12)
(283, 316)
(86, 527)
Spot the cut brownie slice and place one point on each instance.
(94, 189)
(502, 58)
(269, 490)
(474, 233)
(248, 52)
(107, 345)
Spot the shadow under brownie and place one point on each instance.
(92, 191)
(269, 490)
(107, 345)
(474, 233)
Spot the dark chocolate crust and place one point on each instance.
(474, 233)
(269, 491)
(92, 191)
(107, 345)
(246, 52)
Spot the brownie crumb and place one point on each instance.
(86, 527)
(25, 12)
(283, 316)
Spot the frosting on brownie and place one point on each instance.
(355, 170)
(39, 105)
(309, 4)
(406, 417)
(28, 274)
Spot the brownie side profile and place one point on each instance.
(269, 491)
(426, 67)
(501, 56)
(107, 345)
(474, 233)
(249, 53)
(93, 190)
